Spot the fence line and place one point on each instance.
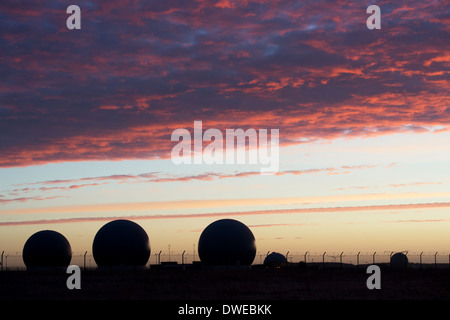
(13, 260)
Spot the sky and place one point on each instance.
(86, 118)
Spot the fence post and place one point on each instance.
(357, 258)
(84, 260)
(323, 259)
(340, 259)
(421, 260)
(373, 257)
(435, 260)
(307, 253)
(2, 259)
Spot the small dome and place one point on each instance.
(121, 243)
(275, 258)
(47, 248)
(399, 261)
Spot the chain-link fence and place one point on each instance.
(14, 261)
(362, 258)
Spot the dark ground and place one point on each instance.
(230, 285)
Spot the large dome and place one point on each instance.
(47, 248)
(227, 242)
(121, 243)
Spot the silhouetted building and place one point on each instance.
(47, 249)
(121, 243)
(227, 242)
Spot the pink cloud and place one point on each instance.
(311, 69)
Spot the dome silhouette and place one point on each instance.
(121, 243)
(227, 242)
(275, 259)
(46, 248)
(399, 261)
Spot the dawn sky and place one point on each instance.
(86, 118)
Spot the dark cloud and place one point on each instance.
(137, 70)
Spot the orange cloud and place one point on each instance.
(239, 213)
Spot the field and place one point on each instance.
(258, 283)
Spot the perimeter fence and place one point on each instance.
(85, 260)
